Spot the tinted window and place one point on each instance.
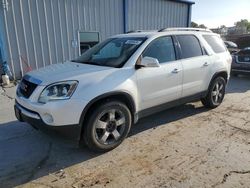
(215, 42)
(190, 46)
(161, 49)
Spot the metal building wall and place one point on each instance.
(41, 32)
(155, 14)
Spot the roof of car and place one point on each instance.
(149, 34)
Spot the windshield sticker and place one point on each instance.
(134, 42)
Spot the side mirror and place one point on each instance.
(149, 62)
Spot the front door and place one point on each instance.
(159, 85)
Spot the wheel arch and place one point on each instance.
(223, 74)
(117, 95)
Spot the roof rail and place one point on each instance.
(185, 29)
(139, 31)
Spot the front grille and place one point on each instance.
(26, 88)
(244, 59)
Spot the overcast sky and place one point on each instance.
(214, 13)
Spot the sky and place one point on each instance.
(214, 13)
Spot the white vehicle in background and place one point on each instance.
(97, 97)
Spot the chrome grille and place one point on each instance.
(26, 88)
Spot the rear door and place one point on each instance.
(196, 65)
(158, 85)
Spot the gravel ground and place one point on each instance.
(187, 146)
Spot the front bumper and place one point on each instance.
(23, 114)
(54, 113)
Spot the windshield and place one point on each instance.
(112, 52)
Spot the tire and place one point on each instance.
(216, 93)
(107, 126)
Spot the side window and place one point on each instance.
(161, 49)
(215, 42)
(190, 46)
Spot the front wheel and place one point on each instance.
(107, 126)
(216, 93)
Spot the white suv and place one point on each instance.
(98, 96)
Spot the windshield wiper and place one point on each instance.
(87, 62)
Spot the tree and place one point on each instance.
(193, 24)
(223, 27)
(244, 23)
(202, 26)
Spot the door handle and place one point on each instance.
(205, 64)
(176, 71)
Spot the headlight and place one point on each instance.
(58, 91)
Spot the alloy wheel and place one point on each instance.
(218, 92)
(109, 126)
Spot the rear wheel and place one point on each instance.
(107, 126)
(216, 93)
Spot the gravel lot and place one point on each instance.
(188, 146)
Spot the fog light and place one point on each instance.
(47, 118)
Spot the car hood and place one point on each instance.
(66, 71)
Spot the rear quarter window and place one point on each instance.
(216, 43)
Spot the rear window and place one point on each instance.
(215, 42)
(190, 46)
